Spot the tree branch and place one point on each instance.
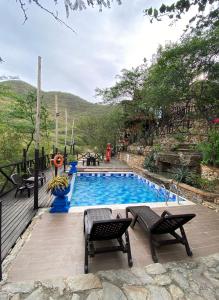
(22, 5)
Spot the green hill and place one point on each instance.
(76, 106)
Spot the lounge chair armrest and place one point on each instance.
(166, 212)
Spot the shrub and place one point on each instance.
(210, 149)
(150, 162)
(184, 175)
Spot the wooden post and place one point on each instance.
(37, 135)
(56, 118)
(66, 134)
(24, 160)
(56, 169)
(43, 166)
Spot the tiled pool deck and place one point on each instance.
(56, 245)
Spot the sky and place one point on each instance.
(103, 44)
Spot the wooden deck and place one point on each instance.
(18, 212)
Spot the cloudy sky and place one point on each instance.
(104, 43)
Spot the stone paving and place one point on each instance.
(195, 280)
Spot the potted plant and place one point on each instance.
(59, 187)
(72, 160)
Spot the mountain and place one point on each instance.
(76, 106)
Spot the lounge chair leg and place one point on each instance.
(186, 243)
(153, 251)
(16, 193)
(28, 192)
(86, 256)
(134, 221)
(128, 248)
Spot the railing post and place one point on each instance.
(18, 168)
(56, 169)
(65, 158)
(36, 173)
(43, 160)
(25, 160)
(0, 240)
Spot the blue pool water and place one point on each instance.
(116, 189)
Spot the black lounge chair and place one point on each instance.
(99, 226)
(155, 225)
(21, 184)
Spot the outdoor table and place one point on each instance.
(31, 180)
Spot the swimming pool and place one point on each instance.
(93, 189)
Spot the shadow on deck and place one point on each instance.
(18, 212)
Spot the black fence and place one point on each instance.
(20, 167)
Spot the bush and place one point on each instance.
(150, 162)
(184, 175)
(210, 149)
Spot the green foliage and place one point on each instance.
(71, 157)
(99, 131)
(150, 162)
(180, 74)
(210, 148)
(205, 184)
(127, 87)
(177, 9)
(185, 175)
(150, 159)
(180, 137)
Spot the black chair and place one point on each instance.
(99, 226)
(155, 225)
(20, 184)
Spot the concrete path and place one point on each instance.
(56, 246)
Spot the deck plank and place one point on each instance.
(18, 212)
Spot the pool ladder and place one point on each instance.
(174, 189)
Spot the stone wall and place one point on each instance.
(132, 160)
(185, 280)
(210, 173)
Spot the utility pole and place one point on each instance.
(37, 134)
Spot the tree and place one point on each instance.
(97, 132)
(22, 118)
(127, 87)
(68, 4)
(185, 72)
(176, 9)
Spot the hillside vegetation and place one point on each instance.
(76, 106)
(17, 119)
